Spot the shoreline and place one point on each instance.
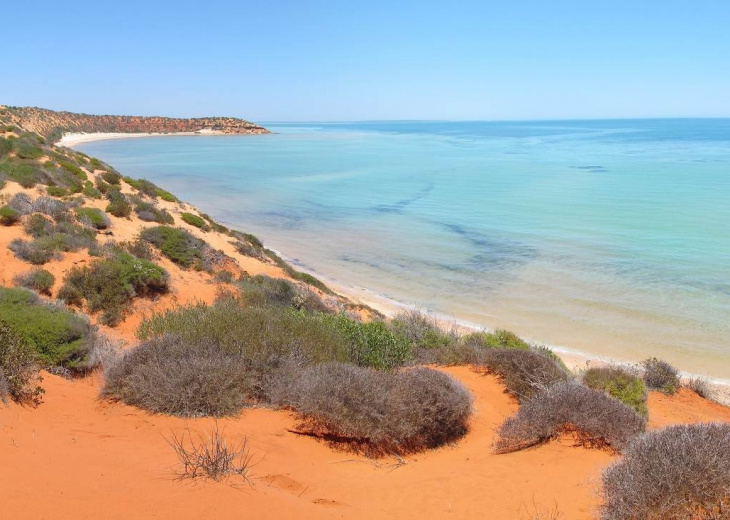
(573, 358)
(72, 139)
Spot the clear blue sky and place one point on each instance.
(344, 60)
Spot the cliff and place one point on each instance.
(52, 125)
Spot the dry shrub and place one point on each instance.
(660, 375)
(18, 368)
(701, 387)
(262, 290)
(597, 419)
(680, 472)
(423, 331)
(376, 412)
(211, 457)
(523, 372)
(4, 388)
(178, 377)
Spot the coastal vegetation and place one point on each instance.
(280, 339)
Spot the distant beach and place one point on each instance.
(73, 139)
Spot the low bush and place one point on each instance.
(679, 472)
(50, 239)
(111, 177)
(57, 191)
(109, 285)
(54, 208)
(377, 412)
(194, 220)
(8, 216)
(21, 203)
(18, 368)
(38, 280)
(176, 244)
(73, 170)
(595, 418)
(500, 338)
(90, 191)
(138, 248)
(27, 174)
(260, 334)
(54, 333)
(701, 387)
(263, 290)
(177, 376)
(6, 146)
(151, 213)
(27, 149)
(660, 375)
(118, 205)
(92, 217)
(149, 189)
(524, 372)
(422, 331)
(370, 344)
(620, 383)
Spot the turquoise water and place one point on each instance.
(609, 237)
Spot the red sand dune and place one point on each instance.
(78, 457)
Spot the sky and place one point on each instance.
(369, 60)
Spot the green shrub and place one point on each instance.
(371, 344)
(6, 146)
(109, 285)
(176, 244)
(18, 368)
(166, 195)
(375, 412)
(263, 290)
(498, 339)
(111, 177)
(619, 383)
(56, 191)
(55, 333)
(51, 239)
(37, 279)
(90, 191)
(660, 375)
(8, 216)
(138, 248)
(73, 169)
(260, 334)
(93, 216)
(37, 226)
(118, 204)
(25, 149)
(193, 220)
(25, 174)
(568, 407)
(151, 213)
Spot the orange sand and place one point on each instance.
(78, 457)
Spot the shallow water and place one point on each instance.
(609, 237)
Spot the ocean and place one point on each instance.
(605, 237)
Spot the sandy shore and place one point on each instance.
(72, 139)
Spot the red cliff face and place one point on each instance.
(52, 124)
